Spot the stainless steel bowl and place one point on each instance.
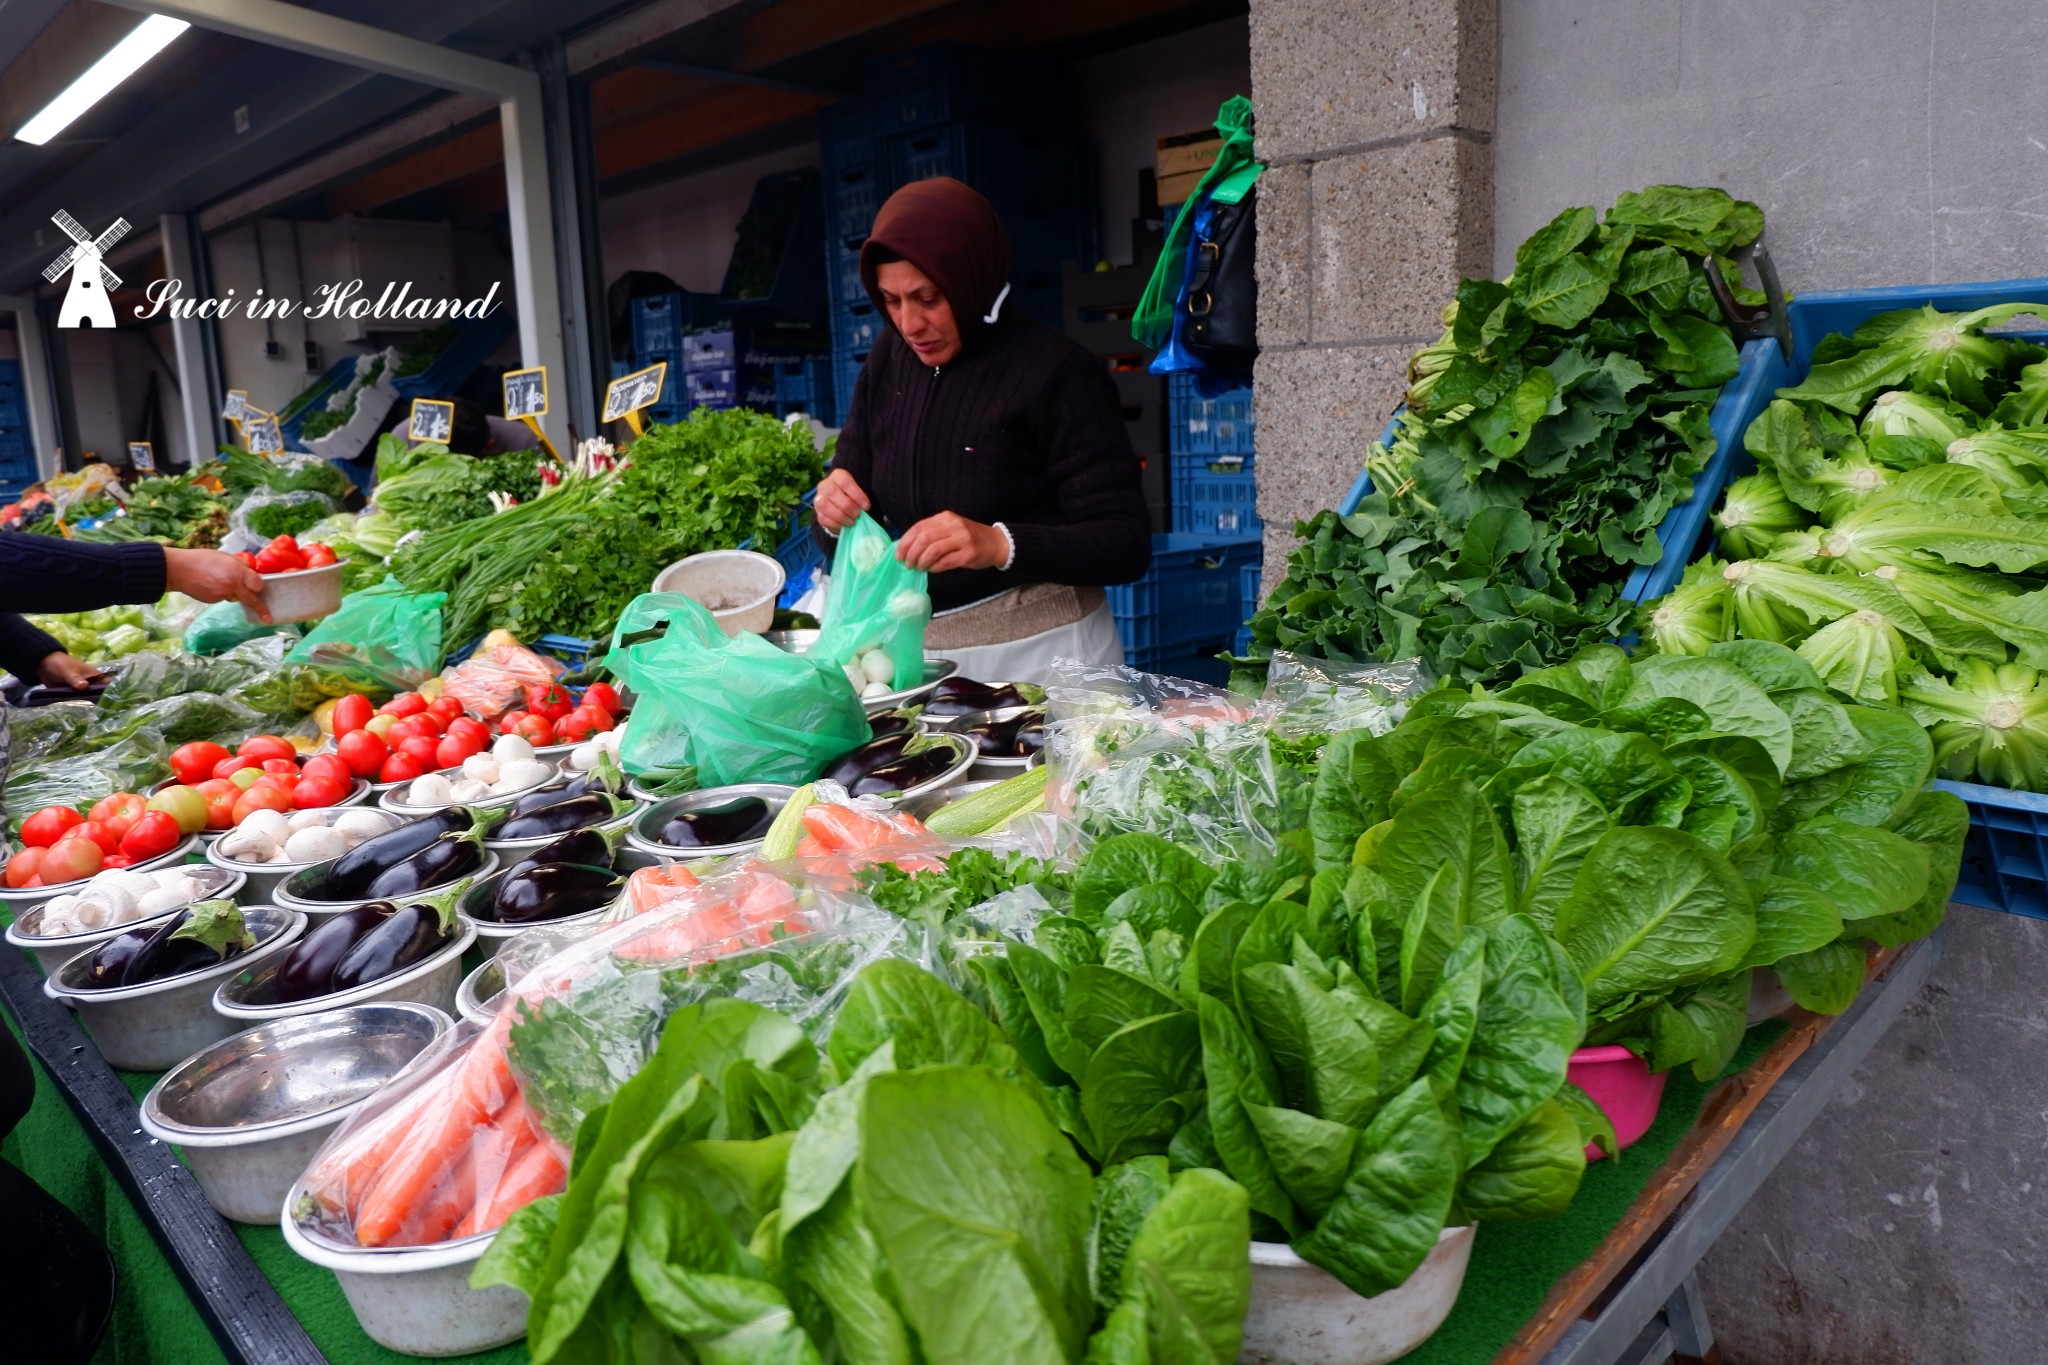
(249, 1112)
(290, 891)
(161, 1023)
(937, 668)
(249, 996)
(985, 766)
(54, 950)
(645, 833)
(478, 987)
(924, 807)
(263, 880)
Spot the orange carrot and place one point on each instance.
(482, 1085)
(535, 1173)
(353, 1168)
(432, 1217)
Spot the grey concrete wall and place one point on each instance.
(1903, 142)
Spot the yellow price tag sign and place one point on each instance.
(625, 396)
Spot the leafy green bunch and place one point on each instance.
(1560, 417)
(715, 482)
(1897, 536)
(903, 1195)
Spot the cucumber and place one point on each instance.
(994, 808)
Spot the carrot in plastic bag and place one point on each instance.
(536, 1172)
(651, 887)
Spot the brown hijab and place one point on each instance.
(953, 235)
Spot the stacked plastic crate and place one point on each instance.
(978, 116)
(17, 452)
(660, 323)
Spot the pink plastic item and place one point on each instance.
(1622, 1084)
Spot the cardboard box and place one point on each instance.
(1185, 153)
(1177, 189)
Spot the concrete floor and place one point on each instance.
(1910, 1225)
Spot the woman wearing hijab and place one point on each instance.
(991, 446)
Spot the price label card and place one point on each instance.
(236, 409)
(260, 433)
(526, 393)
(141, 457)
(433, 419)
(631, 392)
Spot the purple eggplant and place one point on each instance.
(735, 822)
(851, 767)
(110, 963)
(1030, 736)
(544, 891)
(896, 722)
(905, 773)
(993, 738)
(350, 875)
(197, 937)
(958, 696)
(591, 847)
(441, 862)
(404, 938)
(576, 812)
(308, 968)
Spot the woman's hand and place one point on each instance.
(212, 576)
(61, 670)
(840, 502)
(950, 541)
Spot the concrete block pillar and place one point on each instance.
(1375, 122)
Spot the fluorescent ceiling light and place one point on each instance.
(150, 37)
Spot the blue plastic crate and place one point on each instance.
(801, 559)
(852, 194)
(1214, 495)
(846, 367)
(842, 269)
(1208, 426)
(798, 286)
(659, 322)
(1198, 663)
(844, 137)
(1034, 175)
(953, 82)
(1188, 596)
(806, 386)
(1250, 577)
(2005, 857)
(856, 328)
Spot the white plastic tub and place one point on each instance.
(1303, 1315)
(301, 595)
(738, 587)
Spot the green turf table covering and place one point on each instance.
(1513, 1264)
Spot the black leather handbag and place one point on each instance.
(1223, 292)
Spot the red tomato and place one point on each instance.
(404, 704)
(282, 543)
(351, 713)
(319, 791)
(69, 859)
(447, 708)
(233, 764)
(363, 752)
(582, 723)
(94, 832)
(48, 825)
(195, 762)
(24, 865)
(261, 798)
(155, 834)
(270, 561)
(116, 860)
(538, 731)
(283, 782)
(452, 750)
(265, 747)
(508, 724)
(601, 694)
(328, 765)
(281, 767)
(470, 730)
(549, 700)
(427, 723)
(422, 749)
(401, 768)
(319, 556)
(246, 558)
(404, 729)
(118, 812)
(221, 796)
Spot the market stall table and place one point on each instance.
(1609, 1283)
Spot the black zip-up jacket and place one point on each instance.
(49, 574)
(1025, 428)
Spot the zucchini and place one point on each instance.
(788, 830)
(993, 808)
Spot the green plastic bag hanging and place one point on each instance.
(1152, 321)
(223, 626)
(734, 707)
(876, 603)
(383, 636)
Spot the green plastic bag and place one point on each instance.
(734, 707)
(221, 627)
(876, 602)
(382, 636)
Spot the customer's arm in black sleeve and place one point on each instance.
(44, 573)
(23, 648)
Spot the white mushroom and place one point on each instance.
(273, 825)
(309, 819)
(511, 748)
(431, 790)
(470, 789)
(520, 774)
(358, 825)
(481, 767)
(315, 845)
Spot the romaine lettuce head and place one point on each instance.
(2010, 459)
(1859, 655)
(1753, 512)
(1900, 412)
(1691, 618)
(1989, 725)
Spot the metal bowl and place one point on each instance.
(415, 1300)
(645, 833)
(512, 850)
(21, 898)
(924, 807)
(161, 1023)
(389, 800)
(492, 935)
(984, 766)
(287, 893)
(249, 1113)
(964, 757)
(54, 950)
(937, 668)
(265, 879)
(473, 997)
(430, 981)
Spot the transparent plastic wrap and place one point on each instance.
(1317, 697)
(132, 764)
(483, 1126)
(842, 834)
(876, 604)
(493, 680)
(171, 616)
(263, 516)
(1135, 752)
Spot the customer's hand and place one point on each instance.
(840, 502)
(212, 576)
(61, 670)
(949, 541)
